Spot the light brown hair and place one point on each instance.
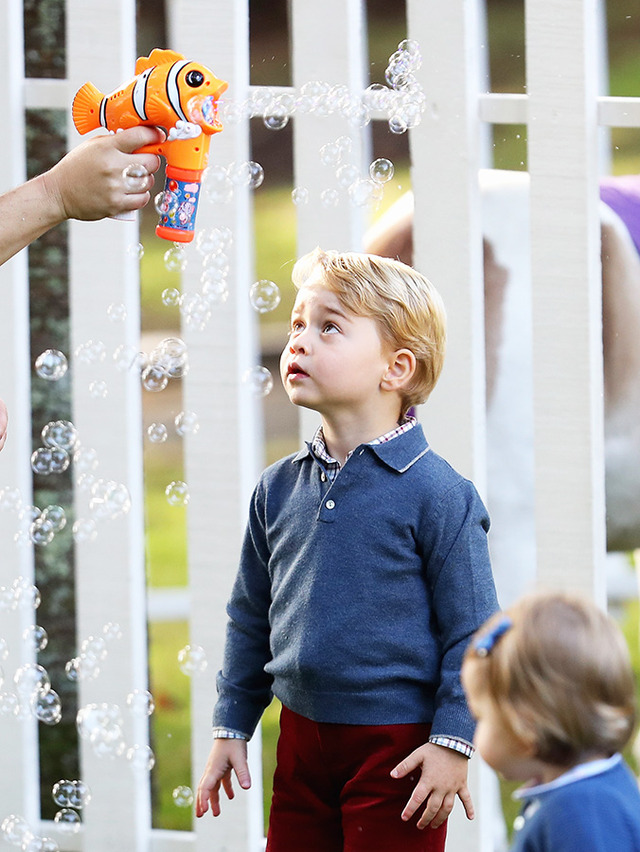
(407, 307)
(559, 674)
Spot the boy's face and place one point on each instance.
(335, 360)
(499, 746)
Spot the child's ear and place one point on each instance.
(402, 366)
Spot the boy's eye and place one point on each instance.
(295, 326)
(330, 327)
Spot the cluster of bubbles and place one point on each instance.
(401, 102)
(107, 499)
(16, 831)
(220, 182)
(361, 191)
(93, 651)
(185, 422)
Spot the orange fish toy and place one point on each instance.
(180, 96)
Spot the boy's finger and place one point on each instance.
(132, 138)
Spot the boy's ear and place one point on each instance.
(402, 366)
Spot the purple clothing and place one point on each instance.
(622, 195)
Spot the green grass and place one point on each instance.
(170, 724)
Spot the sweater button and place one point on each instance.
(323, 477)
(330, 504)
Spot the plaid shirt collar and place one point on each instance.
(332, 466)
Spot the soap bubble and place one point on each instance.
(378, 97)
(259, 380)
(171, 356)
(46, 706)
(10, 499)
(67, 820)
(264, 296)
(98, 390)
(46, 461)
(141, 702)
(84, 529)
(196, 311)
(300, 195)
(74, 794)
(154, 379)
(330, 154)
(183, 796)
(56, 516)
(276, 120)
(347, 174)
(214, 289)
(31, 678)
(381, 170)
(35, 637)
(170, 297)
(257, 175)
(249, 174)
(27, 596)
(217, 184)
(141, 758)
(133, 176)
(117, 312)
(85, 460)
(177, 493)
(157, 433)
(111, 631)
(363, 192)
(175, 259)
(330, 197)
(187, 423)
(4, 649)
(91, 352)
(135, 250)
(397, 124)
(192, 659)
(51, 365)
(9, 704)
(210, 241)
(109, 499)
(15, 829)
(60, 433)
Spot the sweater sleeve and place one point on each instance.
(463, 593)
(244, 688)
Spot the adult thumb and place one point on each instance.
(134, 138)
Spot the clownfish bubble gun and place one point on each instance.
(180, 96)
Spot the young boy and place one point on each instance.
(551, 685)
(364, 572)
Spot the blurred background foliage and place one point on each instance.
(275, 249)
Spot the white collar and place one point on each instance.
(576, 773)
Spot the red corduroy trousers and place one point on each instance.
(332, 789)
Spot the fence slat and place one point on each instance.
(19, 791)
(567, 326)
(110, 572)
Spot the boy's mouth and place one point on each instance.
(295, 370)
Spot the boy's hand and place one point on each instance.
(443, 776)
(225, 756)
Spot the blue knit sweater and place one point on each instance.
(354, 600)
(600, 813)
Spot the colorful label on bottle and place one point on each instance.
(179, 204)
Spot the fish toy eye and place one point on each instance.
(194, 79)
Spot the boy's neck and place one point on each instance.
(343, 437)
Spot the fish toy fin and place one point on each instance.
(158, 110)
(86, 108)
(156, 57)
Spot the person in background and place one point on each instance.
(551, 687)
(363, 574)
(88, 184)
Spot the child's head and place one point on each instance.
(407, 308)
(556, 672)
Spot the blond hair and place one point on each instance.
(407, 307)
(558, 670)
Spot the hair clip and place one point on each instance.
(486, 643)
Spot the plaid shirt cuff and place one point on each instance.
(461, 746)
(228, 734)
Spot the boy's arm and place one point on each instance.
(226, 755)
(443, 776)
(86, 184)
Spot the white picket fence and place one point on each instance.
(563, 110)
